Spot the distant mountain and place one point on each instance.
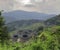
(24, 15)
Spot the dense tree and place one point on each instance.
(3, 30)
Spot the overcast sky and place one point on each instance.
(43, 6)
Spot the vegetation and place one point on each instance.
(3, 30)
(22, 24)
(48, 39)
(53, 21)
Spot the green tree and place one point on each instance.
(3, 30)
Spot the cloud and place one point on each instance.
(45, 6)
(6, 5)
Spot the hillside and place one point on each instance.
(23, 24)
(31, 24)
(47, 40)
(53, 21)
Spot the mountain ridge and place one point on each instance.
(24, 15)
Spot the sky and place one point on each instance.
(42, 6)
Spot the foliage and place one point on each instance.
(3, 30)
(47, 40)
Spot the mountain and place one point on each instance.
(53, 21)
(24, 15)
